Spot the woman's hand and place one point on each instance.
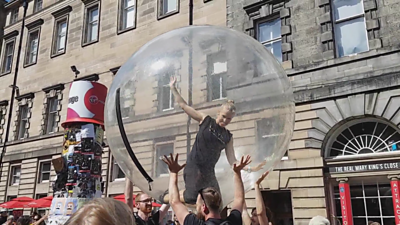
(173, 164)
(172, 82)
(259, 166)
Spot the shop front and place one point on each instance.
(363, 173)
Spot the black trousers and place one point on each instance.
(197, 177)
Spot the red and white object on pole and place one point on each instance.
(86, 103)
(79, 167)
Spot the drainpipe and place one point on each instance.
(14, 87)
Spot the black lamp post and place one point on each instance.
(13, 90)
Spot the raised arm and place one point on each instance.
(196, 115)
(129, 193)
(245, 215)
(42, 219)
(238, 200)
(163, 211)
(260, 205)
(179, 208)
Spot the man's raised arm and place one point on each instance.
(238, 201)
(179, 208)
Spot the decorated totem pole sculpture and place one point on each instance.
(79, 167)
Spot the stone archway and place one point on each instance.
(368, 135)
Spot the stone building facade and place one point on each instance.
(342, 58)
(346, 90)
(93, 37)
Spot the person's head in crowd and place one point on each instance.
(36, 218)
(34, 214)
(10, 219)
(374, 223)
(319, 220)
(144, 203)
(24, 220)
(254, 216)
(3, 213)
(176, 220)
(208, 201)
(103, 211)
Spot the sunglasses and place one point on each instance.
(147, 201)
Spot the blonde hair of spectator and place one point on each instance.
(103, 211)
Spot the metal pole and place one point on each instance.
(14, 86)
(190, 72)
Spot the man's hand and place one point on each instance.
(261, 178)
(172, 163)
(244, 161)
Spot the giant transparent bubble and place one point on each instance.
(211, 64)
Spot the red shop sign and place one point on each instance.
(396, 199)
(345, 204)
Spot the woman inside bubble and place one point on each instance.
(211, 139)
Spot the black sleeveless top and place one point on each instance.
(211, 139)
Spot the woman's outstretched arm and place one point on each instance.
(196, 115)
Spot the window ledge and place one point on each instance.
(160, 17)
(119, 180)
(57, 54)
(35, 138)
(121, 31)
(29, 64)
(5, 73)
(372, 53)
(89, 43)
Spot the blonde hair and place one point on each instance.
(230, 105)
(103, 211)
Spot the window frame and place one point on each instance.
(259, 137)
(13, 167)
(48, 112)
(11, 197)
(14, 15)
(121, 15)
(158, 160)
(35, 6)
(28, 49)
(54, 49)
(3, 59)
(85, 32)
(210, 73)
(114, 174)
(171, 72)
(20, 119)
(271, 18)
(161, 14)
(41, 172)
(3, 112)
(339, 21)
